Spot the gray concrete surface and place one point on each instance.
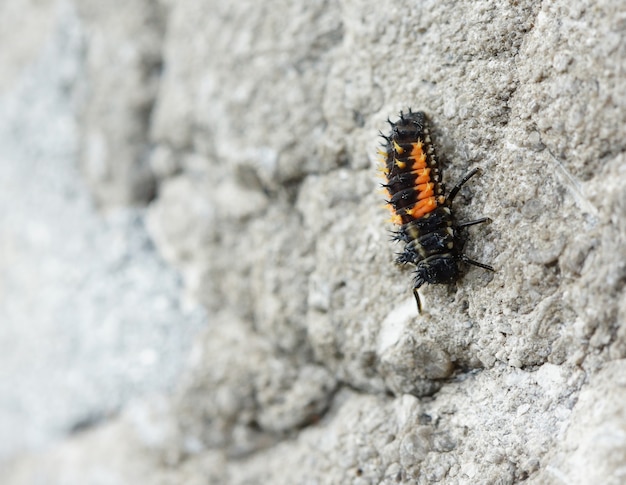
(259, 135)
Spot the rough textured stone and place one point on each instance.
(593, 449)
(315, 367)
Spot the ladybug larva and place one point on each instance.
(433, 238)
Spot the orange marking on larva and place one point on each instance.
(399, 150)
(400, 164)
(425, 191)
(423, 176)
(416, 151)
(420, 162)
(426, 205)
(423, 207)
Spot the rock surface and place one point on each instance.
(250, 129)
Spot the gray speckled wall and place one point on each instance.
(250, 130)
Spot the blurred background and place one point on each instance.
(90, 314)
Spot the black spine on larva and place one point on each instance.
(433, 242)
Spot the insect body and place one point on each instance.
(416, 196)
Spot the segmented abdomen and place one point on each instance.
(411, 169)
